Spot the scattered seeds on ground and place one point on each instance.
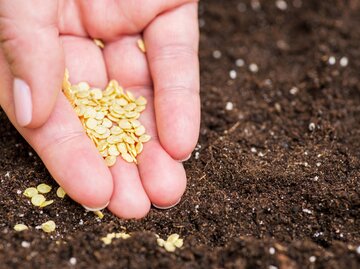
(110, 236)
(38, 199)
(48, 226)
(20, 227)
(110, 118)
(60, 192)
(30, 192)
(43, 188)
(172, 242)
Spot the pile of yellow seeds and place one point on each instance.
(172, 242)
(110, 118)
(109, 237)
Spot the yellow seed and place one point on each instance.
(106, 240)
(84, 87)
(130, 107)
(139, 147)
(99, 214)
(96, 93)
(131, 114)
(91, 123)
(129, 96)
(116, 130)
(124, 124)
(169, 247)
(60, 192)
(114, 139)
(139, 131)
(99, 116)
(38, 199)
(140, 109)
(113, 151)
(104, 153)
(144, 138)
(179, 243)
(102, 145)
(160, 242)
(30, 192)
(141, 101)
(107, 123)
(121, 148)
(122, 235)
(46, 203)
(172, 238)
(135, 123)
(127, 157)
(43, 188)
(99, 43)
(122, 102)
(20, 227)
(100, 129)
(110, 160)
(129, 140)
(48, 226)
(141, 45)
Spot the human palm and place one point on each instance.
(40, 38)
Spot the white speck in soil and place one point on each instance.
(272, 267)
(312, 259)
(294, 90)
(25, 244)
(255, 4)
(281, 4)
(307, 211)
(18, 191)
(241, 7)
(316, 178)
(297, 3)
(81, 222)
(253, 150)
(358, 250)
(312, 126)
(7, 174)
(72, 261)
(332, 60)
(240, 62)
(318, 164)
(272, 251)
(197, 154)
(201, 23)
(261, 154)
(253, 68)
(21, 215)
(344, 61)
(31, 154)
(229, 106)
(232, 74)
(217, 54)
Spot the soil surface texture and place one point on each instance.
(274, 181)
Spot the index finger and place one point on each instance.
(172, 50)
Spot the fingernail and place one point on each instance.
(97, 208)
(166, 207)
(22, 102)
(184, 160)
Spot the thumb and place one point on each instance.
(30, 42)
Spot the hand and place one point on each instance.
(40, 38)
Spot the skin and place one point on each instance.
(39, 38)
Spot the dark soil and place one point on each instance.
(259, 179)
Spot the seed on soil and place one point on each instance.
(110, 236)
(110, 118)
(141, 45)
(20, 227)
(30, 192)
(99, 43)
(46, 203)
(43, 188)
(48, 226)
(60, 192)
(38, 199)
(172, 242)
(99, 214)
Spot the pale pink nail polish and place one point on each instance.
(166, 207)
(22, 102)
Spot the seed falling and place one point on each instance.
(110, 119)
(99, 43)
(48, 226)
(20, 227)
(99, 214)
(30, 192)
(141, 45)
(43, 188)
(38, 199)
(60, 192)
